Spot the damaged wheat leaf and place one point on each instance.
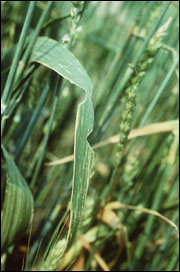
(51, 54)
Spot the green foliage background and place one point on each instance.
(134, 72)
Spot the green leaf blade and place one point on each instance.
(18, 205)
(54, 56)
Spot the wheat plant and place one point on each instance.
(89, 135)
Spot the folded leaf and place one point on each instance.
(54, 56)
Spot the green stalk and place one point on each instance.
(16, 93)
(115, 95)
(20, 46)
(33, 40)
(174, 259)
(162, 252)
(162, 177)
(158, 94)
(128, 253)
(41, 156)
(150, 222)
(152, 32)
(32, 122)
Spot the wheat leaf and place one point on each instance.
(17, 210)
(54, 56)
